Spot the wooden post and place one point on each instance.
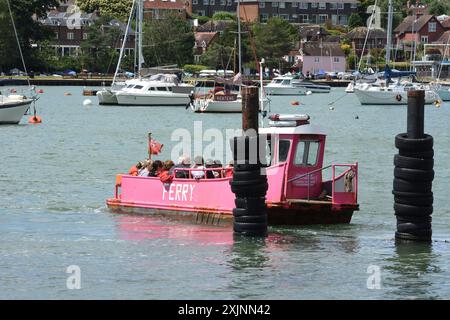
(250, 108)
(415, 124)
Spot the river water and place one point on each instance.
(55, 178)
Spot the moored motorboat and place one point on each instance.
(297, 193)
(13, 108)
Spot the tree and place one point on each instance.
(438, 8)
(98, 51)
(29, 31)
(168, 41)
(119, 9)
(274, 40)
(223, 15)
(355, 20)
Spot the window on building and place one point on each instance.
(262, 4)
(432, 27)
(303, 5)
(275, 15)
(294, 4)
(229, 2)
(313, 4)
(263, 17)
(70, 36)
(284, 17)
(194, 2)
(201, 12)
(85, 36)
(424, 39)
(343, 20)
(353, 5)
(274, 4)
(223, 2)
(323, 18)
(333, 6)
(205, 2)
(336, 59)
(56, 35)
(340, 6)
(334, 19)
(314, 18)
(212, 2)
(282, 5)
(322, 5)
(316, 59)
(303, 18)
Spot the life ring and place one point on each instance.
(398, 97)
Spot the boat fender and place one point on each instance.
(398, 97)
(35, 120)
(295, 103)
(437, 104)
(133, 171)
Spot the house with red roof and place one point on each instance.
(422, 29)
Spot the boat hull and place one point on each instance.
(211, 201)
(284, 91)
(369, 97)
(169, 99)
(12, 112)
(213, 106)
(107, 97)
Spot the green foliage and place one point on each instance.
(201, 19)
(274, 39)
(98, 50)
(223, 15)
(218, 56)
(29, 31)
(168, 41)
(355, 20)
(119, 9)
(193, 68)
(439, 7)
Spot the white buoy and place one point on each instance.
(308, 93)
(87, 102)
(331, 108)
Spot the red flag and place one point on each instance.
(155, 147)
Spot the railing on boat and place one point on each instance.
(335, 199)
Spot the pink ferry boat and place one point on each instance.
(297, 193)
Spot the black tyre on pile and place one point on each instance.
(251, 203)
(414, 174)
(413, 163)
(239, 167)
(409, 210)
(417, 154)
(413, 219)
(248, 226)
(412, 186)
(251, 190)
(251, 219)
(402, 142)
(418, 201)
(249, 175)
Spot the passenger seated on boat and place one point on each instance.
(198, 164)
(165, 176)
(183, 162)
(156, 168)
(229, 170)
(134, 170)
(145, 169)
(209, 164)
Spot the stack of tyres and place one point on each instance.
(249, 185)
(413, 196)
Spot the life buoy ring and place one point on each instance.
(398, 97)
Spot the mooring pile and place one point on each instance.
(249, 182)
(413, 175)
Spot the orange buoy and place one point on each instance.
(67, 94)
(35, 120)
(40, 91)
(295, 103)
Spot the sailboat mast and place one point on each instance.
(140, 34)
(389, 34)
(239, 34)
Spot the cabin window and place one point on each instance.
(130, 86)
(283, 150)
(307, 153)
(138, 87)
(286, 82)
(161, 89)
(152, 89)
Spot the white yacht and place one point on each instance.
(392, 94)
(158, 90)
(284, 86)
(13, 108)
